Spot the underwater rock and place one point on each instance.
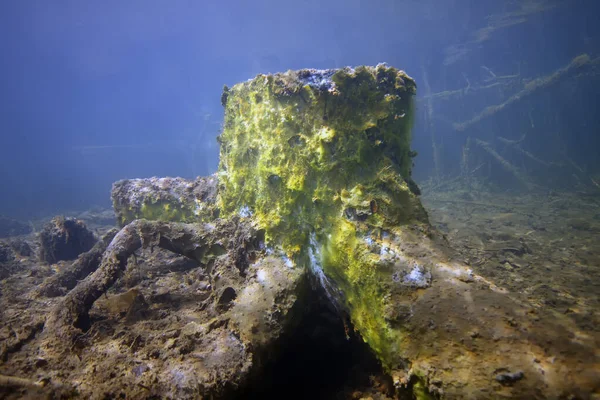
(64, 239)
(416, 276)
(7, 261)
(11, 227)
(165, 199)
(6, 253)
(21, 247)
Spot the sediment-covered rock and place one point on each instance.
(64, 239)
(7, 258)
(7, 253)
(98, 217)
(21, 247)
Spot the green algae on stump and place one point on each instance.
(165, 199)
(321, 159)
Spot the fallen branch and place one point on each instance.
(502, 161)
(449, 94)
(512, 142)
(496, 22)
(531, 156)
(429, 127)
(516, 144)
(531, 87)
(443, 183)
(574, 164)
(494, 78)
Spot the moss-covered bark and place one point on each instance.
(165, 199)
(322, 160)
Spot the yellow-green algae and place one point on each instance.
(326, 154)
(165, 199)
(158, 211)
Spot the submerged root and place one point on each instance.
(61, 283)
(6, 380)
(55, 389)
(199, 242)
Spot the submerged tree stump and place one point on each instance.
(320, 160)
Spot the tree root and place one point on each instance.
(54, 389)
(62, 282)
(200, 242)
(6, 380)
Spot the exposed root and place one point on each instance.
(196, 241)
(6, 380)
(62, 282)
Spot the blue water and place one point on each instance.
(93, 92)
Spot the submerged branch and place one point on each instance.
(503, 162)
(429, 127)
(531, 87)
(516, 144)
(450, 94)
(531, 156)
(511, 142)
(497, 22)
